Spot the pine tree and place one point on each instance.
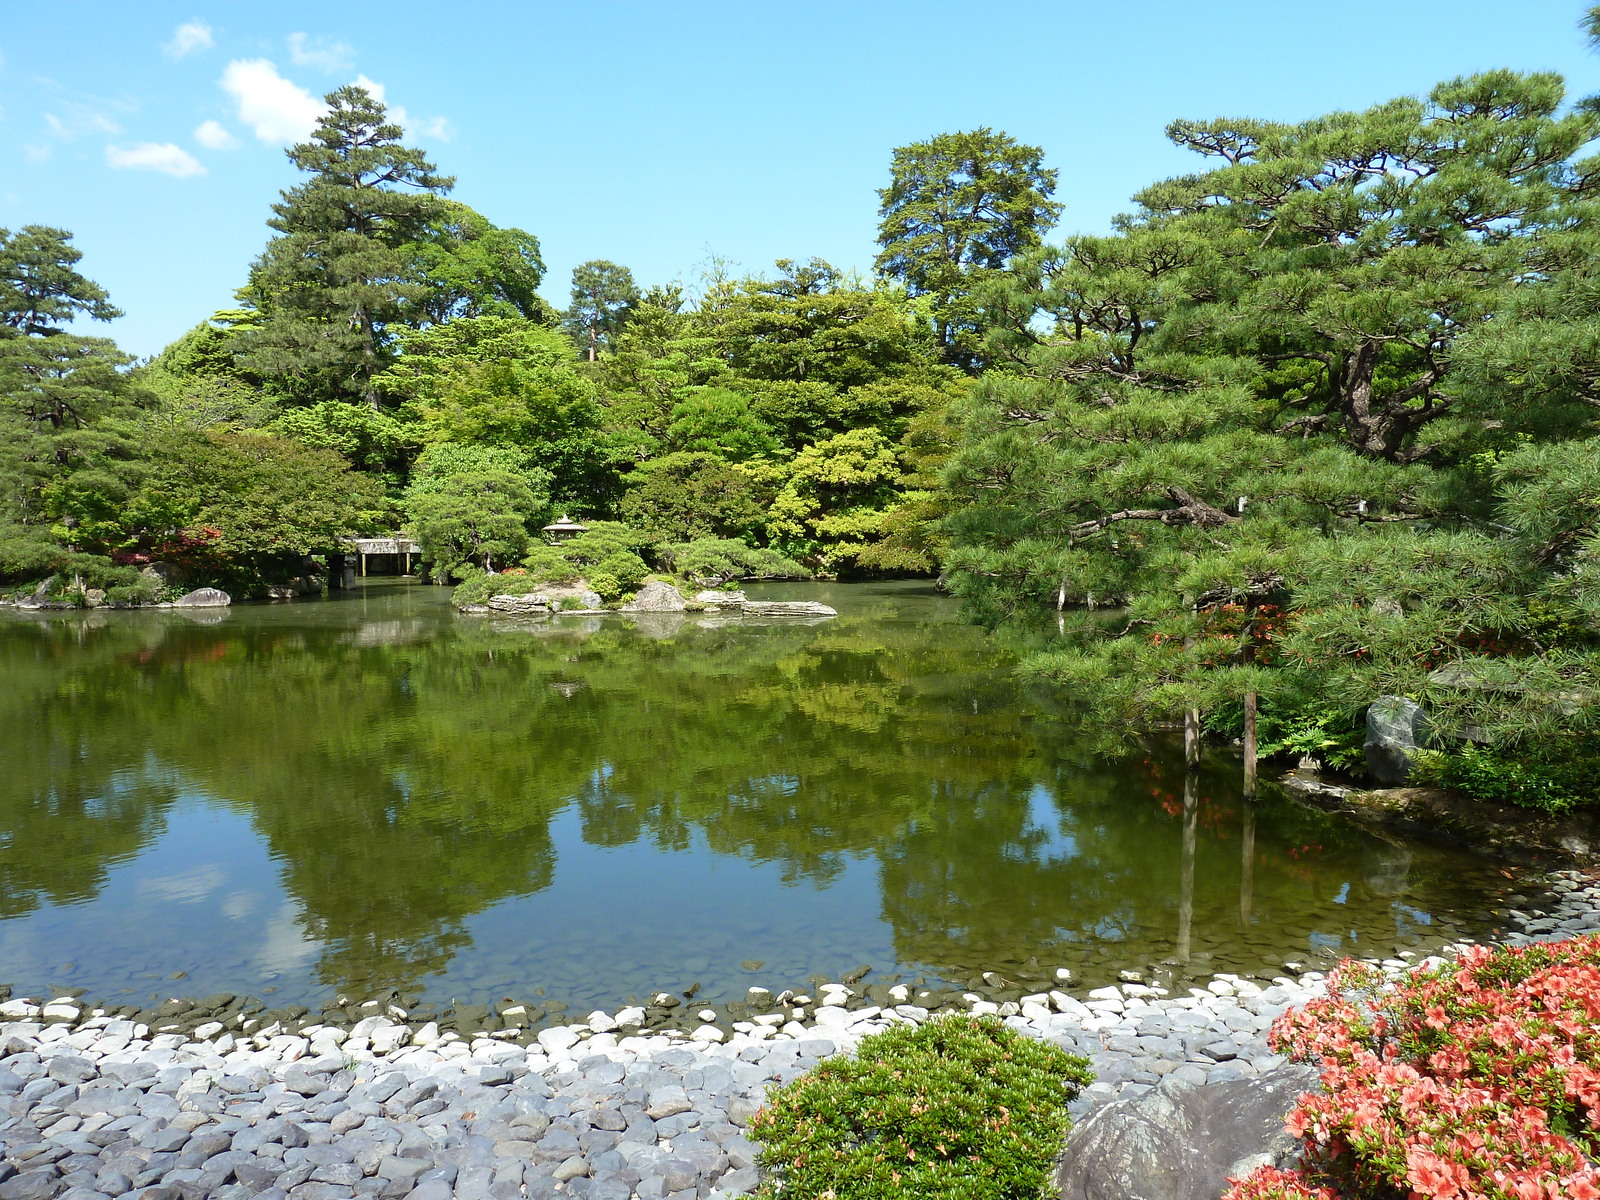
(1286, 419)
(339, 275)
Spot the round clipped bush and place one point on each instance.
(957, 1107)
(1478, 1080)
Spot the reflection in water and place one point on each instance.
(371, 792)
(1191, 816)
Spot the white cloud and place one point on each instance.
(373, 86)
(433, 127)
(75, 120)
(36, 153)
(189, 38)
(213, 136)
(320, 52)
(277, 110)
(154, 156)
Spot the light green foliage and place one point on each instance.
(603, 539)
(438, 462)
(834, 498)
(466, 266)
(957, 1106)
(368, 437)
(507, 382)
(475, 517)
(959, 207)
(474, 504)
(720, 421)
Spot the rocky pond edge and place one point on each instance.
(96, 1104)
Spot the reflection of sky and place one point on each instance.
(203, 898)
(1044, 822)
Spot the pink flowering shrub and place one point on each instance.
(1479, 1079)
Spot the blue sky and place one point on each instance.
(658, 134)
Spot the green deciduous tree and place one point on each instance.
(833, 498)
(469, 267)
(693, 494)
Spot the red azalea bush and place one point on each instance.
(1477, 1079)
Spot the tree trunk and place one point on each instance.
(1191, 737)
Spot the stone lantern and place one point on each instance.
(563, 530)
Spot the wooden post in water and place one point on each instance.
(1191, 820)
(363, 564)
(1247, 864)
(1249, 746)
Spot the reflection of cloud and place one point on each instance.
(239, 905)
(286, 945)
(186, 887)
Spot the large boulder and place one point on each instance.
(204, 598)
(788, 608)
(1183, 1141)
(656, 596)
(533, 602)
(717, 598)
(580, 591)
(1396, 729)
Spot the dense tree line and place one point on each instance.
(1313, 424)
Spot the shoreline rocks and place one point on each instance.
(93, 1104)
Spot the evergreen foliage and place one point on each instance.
(1316, 419)
(336, 277)
(958, 1106)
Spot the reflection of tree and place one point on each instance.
(406, 783)
(72, 802)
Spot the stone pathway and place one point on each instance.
(94, 1107)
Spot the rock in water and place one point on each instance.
(204, 598)
(1396, 729)
(717, 598)
(656, 596)
(1183, 1141)
(788, 608)
(519, 604)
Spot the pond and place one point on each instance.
(370, 792)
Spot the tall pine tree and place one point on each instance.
(339, 274)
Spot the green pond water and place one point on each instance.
(370, 792)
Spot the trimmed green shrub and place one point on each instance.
(710, 562)
(957, 1107)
